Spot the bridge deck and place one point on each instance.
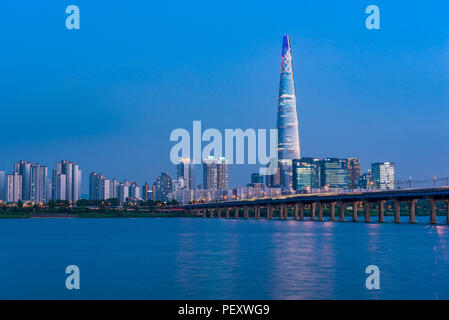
(440, 193)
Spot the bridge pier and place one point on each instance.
(257, 212)
(312, 211)
(412, 206)
(397, 211)
(447, 211)
(236, 212)
(268, 212)
(227, 212)
(218, 213)
(381, 217)
(286, 208)
(295, 213)
(355, 211)
(320, 211)
(332, 207)
(301, 211)
(245, 212)
(342, 211)
(433, 211)
(367, 205)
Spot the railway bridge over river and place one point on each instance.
(296, 206)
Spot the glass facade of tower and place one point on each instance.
(287, 118)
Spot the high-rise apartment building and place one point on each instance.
(185, 170)
(147, 192)
(123, 191)
(14, 187)
(72, 174)
(2, 186)
(40, 190)
(164, 185)
(215, 174)
(59, 186)
(134, 191)
(23, 168)
(383, 175)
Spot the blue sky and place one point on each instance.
(108, 95)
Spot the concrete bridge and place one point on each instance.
(293, 206)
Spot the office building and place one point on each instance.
(365, 181)
(334, 173)
(354, 172)
(256, 178)
(383, 175)
(306, 174)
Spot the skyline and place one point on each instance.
(79, 103)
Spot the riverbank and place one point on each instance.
(26, 215)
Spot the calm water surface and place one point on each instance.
(188, 258)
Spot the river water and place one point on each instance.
(195, 258)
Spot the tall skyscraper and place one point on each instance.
(354, 172)
(186, 171)
(383, 175)
(287, 117)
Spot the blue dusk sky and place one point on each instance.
(107, 96)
